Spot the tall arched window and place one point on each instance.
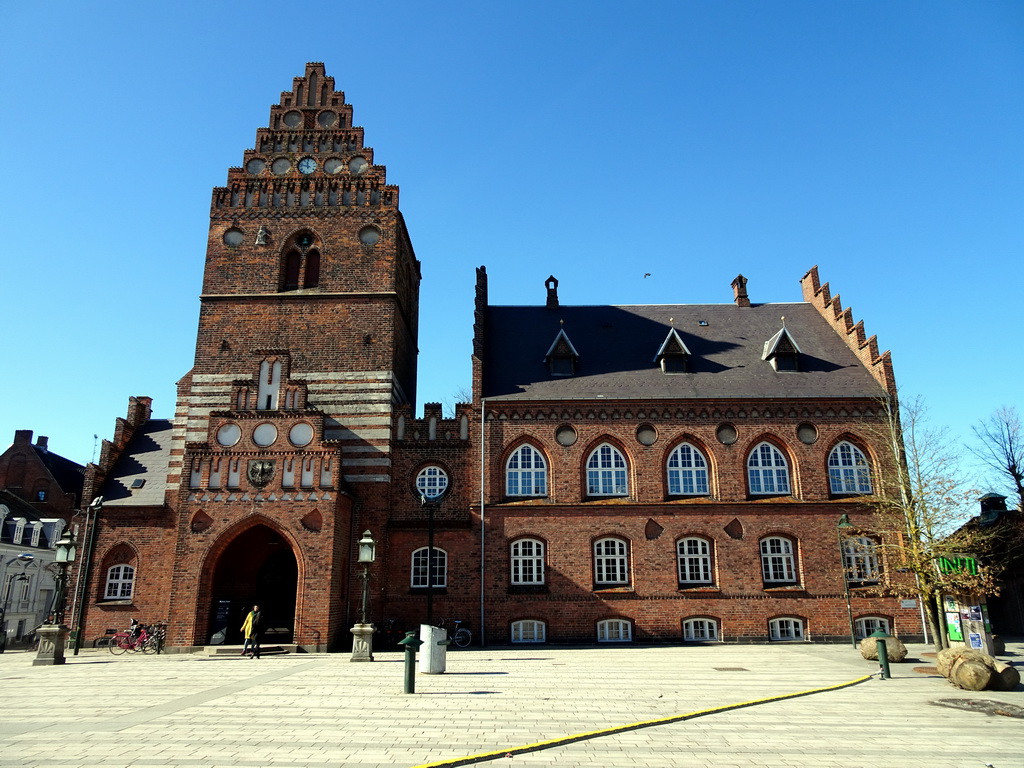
(526, 473)
(687, 472)
(848, 470)
(312, 276)
(291, 271)
(527, 556)
(767, 470)
(420, 563)
(611, 562)
(694, 557)
(778, 561)
(606, 472)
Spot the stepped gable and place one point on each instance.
(865, 348)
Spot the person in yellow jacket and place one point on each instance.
(251, 630)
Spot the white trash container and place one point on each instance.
(433, 650)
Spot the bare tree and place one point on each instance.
(924, 504)
(1000, 446)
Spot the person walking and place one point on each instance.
(251, 630)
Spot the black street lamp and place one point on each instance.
(362, 633)
(844, 525)
(53, 637)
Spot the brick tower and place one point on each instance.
(307, 339)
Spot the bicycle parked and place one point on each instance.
(460, 636)
(139, 637)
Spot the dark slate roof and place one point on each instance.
(144, 458)
(69, 475)
(17, 507)
(617, 346)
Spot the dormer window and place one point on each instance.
(562, 356)
(673, 355)
(781, 351)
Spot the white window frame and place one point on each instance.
(19, 530)
(767, 471)
(527, 561)
(419, 562)
(848, 470)
(687, 471)
(526, 472)
(120, 583)
(607, 472)
(611, 562)
(529, 631)
(700, 629)
(786, 629)
(693, 559)
(860, 559)
(432, 482)
(778, 560)
(614, 631)
(867, 625)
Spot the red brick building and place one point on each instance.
(632, 473)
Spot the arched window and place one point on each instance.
(695, 630)
(687, 472)
(527, 558)
(694, 557)
(767, 470)
(778, 561)
(614, 631)
(420, 563)
(860, 558)
(868, 625)
(432, 482)
(786, 629)
(291, 271)
(312, 276)
(526, 473)
(120, 582)
(529, 631)
(848, 470)
(606, 472)
(611, 562)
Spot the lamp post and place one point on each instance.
(53, 637)
(362, 633)
(844, 525)
(24, 558)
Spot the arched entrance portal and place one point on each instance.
(258, 567)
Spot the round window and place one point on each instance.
(646, 434)
(233, 236)
(369, 235)
(357, 165)
(281, 166)
(256, 165)
(565, 435)
(726, 434)
(264, 435)
(807, 433)
(333, 165)
(228, 435)
(431, 482)
(293, 119)
(327, 118)
(301, 434)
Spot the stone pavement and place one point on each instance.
(295, 711)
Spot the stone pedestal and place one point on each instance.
(362, 642)
(53, 639)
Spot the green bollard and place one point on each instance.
(411, 643)
(883, 653)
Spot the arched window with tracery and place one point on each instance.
(606, 472)
(767, 471)
(687, 472)
(848, 470)
(526, 473)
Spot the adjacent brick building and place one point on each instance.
(661, 473)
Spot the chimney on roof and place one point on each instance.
(42, 442)
(23, 436)
(552, 285)
(739, 290)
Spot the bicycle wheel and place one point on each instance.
(119, 644)
(463, 637)
(150, 645)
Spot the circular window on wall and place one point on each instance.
(233, 236)
(327, 118)
(333, 165)
(281, 166)
(369, 235)
(432, 482)
(357, 165)
(264, 435)
(565, 435)
(646, 434)
(301, 434)
(726, 434)
(807, 433)
(228, 435)
(293, 119)
(256, 165)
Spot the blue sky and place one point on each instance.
(595, 141)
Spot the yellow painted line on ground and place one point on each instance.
(537, 746)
